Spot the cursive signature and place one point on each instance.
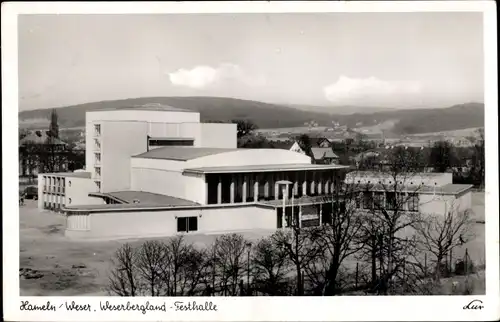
(474, 305)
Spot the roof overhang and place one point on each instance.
(265, 168)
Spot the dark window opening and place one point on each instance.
(187, 224)
(170, 142)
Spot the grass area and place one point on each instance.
(53, 265)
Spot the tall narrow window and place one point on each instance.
(97, 129)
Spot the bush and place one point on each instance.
(464, 267)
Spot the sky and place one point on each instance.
(328, 59)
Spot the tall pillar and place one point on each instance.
(219, 190)
(206, 190)
(300, 216)
(320, 214)
(304, 185)
(244, 188)
(256, 188)
(295, 183)
(313, 183)
(267, 185)
(231, 189)
(276, 187)
(320, 183)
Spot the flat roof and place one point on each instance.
(181, 153)
(86, 175)
(380, 174)
(266, 168)
(300, 201)
(170, 138)
(148, 107)
(147, 198)
(447, 189)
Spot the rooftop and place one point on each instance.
(40, 137)
(149, 107)
(181, 153)
(82, 174)
(148, 198)
(266, 168)
(448, 189)
(320, 153)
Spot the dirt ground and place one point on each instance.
(52, 265)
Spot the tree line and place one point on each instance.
(363, 243)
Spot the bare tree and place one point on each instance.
(150, 260)
(338, 237)
(270, 266)
(124, 277)
(230, 261)
(389, 203)
(297, 243)
(439, 234)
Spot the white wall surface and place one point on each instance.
(143, 224)
(217, 135)
(143, 116)
(120, 141)
(78, 190)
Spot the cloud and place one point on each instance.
(201, 77)
(368, 90)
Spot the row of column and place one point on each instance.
(53, 194)
(319, 186)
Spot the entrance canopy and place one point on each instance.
(265, 168)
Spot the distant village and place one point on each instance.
(54, 149)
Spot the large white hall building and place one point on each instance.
(155, 170)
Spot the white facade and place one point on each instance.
(112, 137)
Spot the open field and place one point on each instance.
(57, 266)
(63, 267)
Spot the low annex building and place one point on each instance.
(155, 170)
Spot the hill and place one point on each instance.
(211, 108)
(407, 121)
(341, 110)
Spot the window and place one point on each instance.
(69, 183)
(413, 202)
(359, 199)
(187, 224)
(97, 158)
(378, 199)
(97, 129)
(69, 200)
(367, 200)
(391, 203)
(171, 142)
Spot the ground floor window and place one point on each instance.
(187, 224)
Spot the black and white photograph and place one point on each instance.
(253, 154)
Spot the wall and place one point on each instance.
(216, 135)
(78, 190)
(142, 224)
(142, 115)
(159, 176)
(120, 141)
(441, 204)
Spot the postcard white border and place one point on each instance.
(397, 308)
